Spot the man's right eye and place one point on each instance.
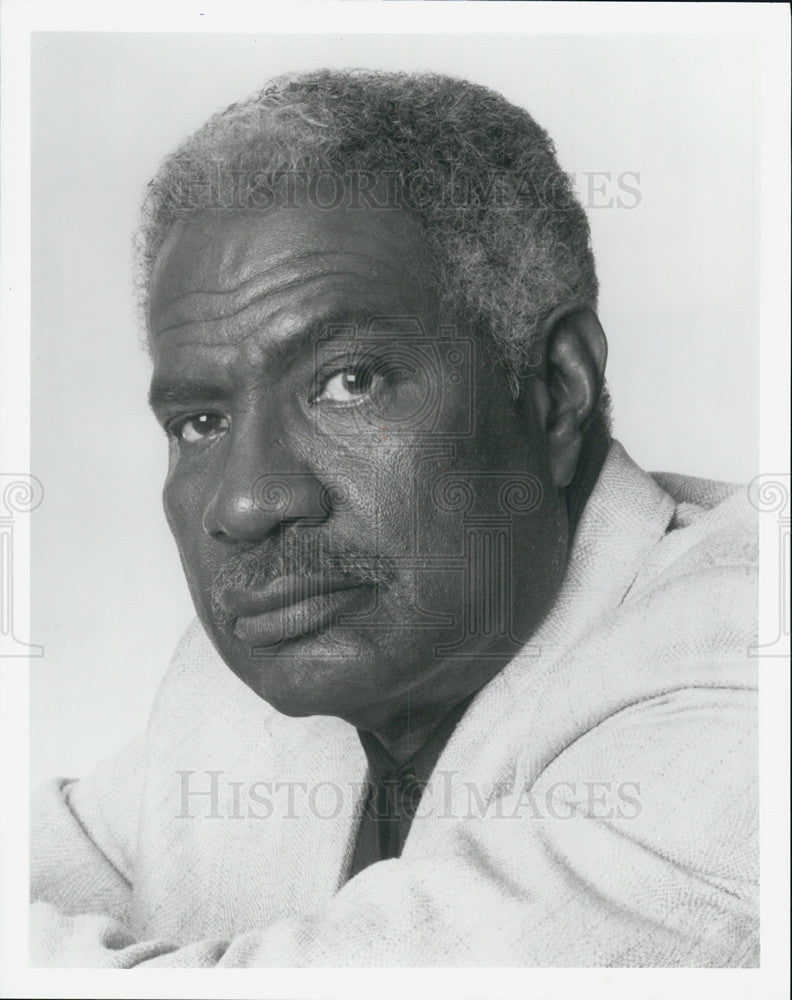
(197, 427)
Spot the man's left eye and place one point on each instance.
(346, 386)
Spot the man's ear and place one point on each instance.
(574, 354)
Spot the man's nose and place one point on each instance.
(263, 487)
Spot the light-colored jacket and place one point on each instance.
(596, 806)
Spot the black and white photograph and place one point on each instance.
(395, 516)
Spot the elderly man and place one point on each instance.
(466, 685)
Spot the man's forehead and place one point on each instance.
(223, 261)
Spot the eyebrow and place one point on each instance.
(188, 390)
(328, 328)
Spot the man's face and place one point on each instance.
(364, 513)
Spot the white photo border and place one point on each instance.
(769, 24)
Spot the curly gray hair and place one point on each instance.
(510, 241)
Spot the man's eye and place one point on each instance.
(346, 386)
(199, 427)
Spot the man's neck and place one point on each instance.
(402, 744)
(596, 445)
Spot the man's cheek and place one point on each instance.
(182, 502)
(371, 485)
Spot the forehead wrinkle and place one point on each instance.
(277, 263)
(210, 304)
(250, 324)
(222, 317)
(297, 333)
(252, 305)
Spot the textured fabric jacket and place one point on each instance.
(596, 805)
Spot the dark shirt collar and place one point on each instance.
(394, 792)
(383, 767)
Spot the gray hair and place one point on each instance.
(509, 240)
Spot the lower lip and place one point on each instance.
(310, 616)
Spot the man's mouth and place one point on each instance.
(292, 606)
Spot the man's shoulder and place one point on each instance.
(666, 561)
(694, 490)
(674, 618)
(710, 542)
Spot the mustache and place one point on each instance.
(296, 554)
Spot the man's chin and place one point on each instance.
(316, 674)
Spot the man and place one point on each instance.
(466, 685)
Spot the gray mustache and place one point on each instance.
(296, 555)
